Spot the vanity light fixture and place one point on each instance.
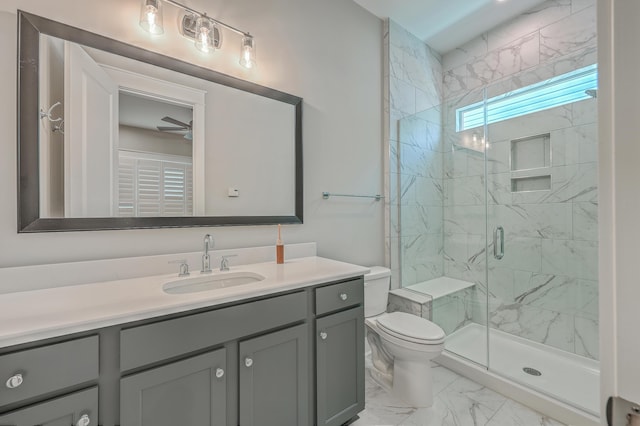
(204, 34)
(248, 52)
(151, 16)
(205, 31)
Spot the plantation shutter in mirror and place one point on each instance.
(154, 185)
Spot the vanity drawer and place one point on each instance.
(338, 296)
(47, 369)
(174, 337)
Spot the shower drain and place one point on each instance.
(532, 371)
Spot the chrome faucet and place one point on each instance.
(184, 267)
(206, 260)
(224, 262)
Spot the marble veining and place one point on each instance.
(463, 54)
(577, 5)
(402, 96)
(414, 85)
(429, 191)
(545, 288)
(455, 80)
(407, 188)
(454, 311)
(422, 258)
(506, 60)
(502, 284)
(413, 131)
(570, 257)
(540, 325)
(585, 221)
(513, 413)
(414, 303)
(458, 402)
(396, 64)
(574, 32)
(586, 332)
(539, 16)
(548, 291)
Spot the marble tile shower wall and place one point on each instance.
(545, 288)
(413, 137)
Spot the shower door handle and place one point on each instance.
(498, 242)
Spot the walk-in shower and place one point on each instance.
(501, 226)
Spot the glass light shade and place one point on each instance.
(151, 16)
(205, 28)
(248, 52)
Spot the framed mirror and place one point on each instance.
(112, 136)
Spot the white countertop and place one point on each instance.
(39, 314)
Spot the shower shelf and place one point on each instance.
(531, 163)
(440, 287)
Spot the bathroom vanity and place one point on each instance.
(286, 350)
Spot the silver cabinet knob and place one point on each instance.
(323, 335)
(14, 381)
(219, 373)
(343, 296)
(248, 362)
(84, 420)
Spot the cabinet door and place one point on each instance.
(191, 392)
(80, 408)
(340, 366)
(274, 384)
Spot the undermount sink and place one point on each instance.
(211, 282)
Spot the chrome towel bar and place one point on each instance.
(326, 196)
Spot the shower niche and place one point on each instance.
(530, 160)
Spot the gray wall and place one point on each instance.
(328, 53)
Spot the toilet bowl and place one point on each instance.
(402, 345)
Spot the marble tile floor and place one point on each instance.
(458, 401)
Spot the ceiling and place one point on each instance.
(447, 24)
(146, 113)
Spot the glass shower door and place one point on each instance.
(542, 241)
(462, 312)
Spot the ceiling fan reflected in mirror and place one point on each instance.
(180, 127)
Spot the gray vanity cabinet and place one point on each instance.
(339, 353)
(252, 362)
(191, 392)
(274, 386)
(76, 409)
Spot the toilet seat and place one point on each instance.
(411, 328)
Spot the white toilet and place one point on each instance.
(402, 345)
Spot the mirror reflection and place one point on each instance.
(123, 138)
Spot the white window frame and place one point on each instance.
(554, 92)
(135, 83)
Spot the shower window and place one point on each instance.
(561, 90)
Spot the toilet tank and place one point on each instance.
(376, 290)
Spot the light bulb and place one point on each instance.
(151, 16)
(248, 52)
(204, 31)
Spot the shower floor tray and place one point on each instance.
(570, 378)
